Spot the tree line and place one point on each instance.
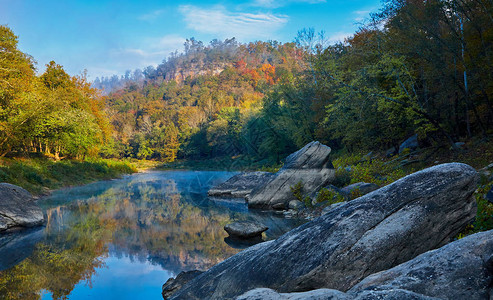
(53, 113)
(415, 67)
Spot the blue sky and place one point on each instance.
(107, 37)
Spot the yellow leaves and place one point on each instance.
(269, 73)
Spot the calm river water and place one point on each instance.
(122, 239)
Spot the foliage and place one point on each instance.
(299, 194)
(212, 111)
(376, 171)
(415, 67)
(484, 216)
(346, 159)
(342, 177)
(329, 197)
(53, 113)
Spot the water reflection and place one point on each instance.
(154, 224)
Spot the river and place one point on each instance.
(123, 238)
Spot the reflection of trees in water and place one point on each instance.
(158, 222)
(163, 221)
(56, 267)
(142, 221)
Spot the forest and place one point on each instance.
(416, 67)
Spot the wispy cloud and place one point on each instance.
(224, 23)
(152, 54)
(361, 15)
(169, 42)
(338, 37)
(281, 3)
(151, 15)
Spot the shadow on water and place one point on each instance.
(17, 246)
(134, 233)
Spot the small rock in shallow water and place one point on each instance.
(245, 229)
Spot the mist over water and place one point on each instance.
(124, 238)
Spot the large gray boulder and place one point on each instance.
(18, 208)
(460, 270)
(375, 232)
(269, 294)
(310, 166)
(240, 185)
(329, 294)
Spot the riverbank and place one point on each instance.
(378, 169)
(224, 163)
(40, 175)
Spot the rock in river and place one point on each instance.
(18, 208)
(240, 185)
(310, 166)
(375, 232)
(245, 229)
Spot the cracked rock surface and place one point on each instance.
(460, 270)
(310, 165)
(375, 232)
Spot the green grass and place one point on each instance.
(39, 175)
